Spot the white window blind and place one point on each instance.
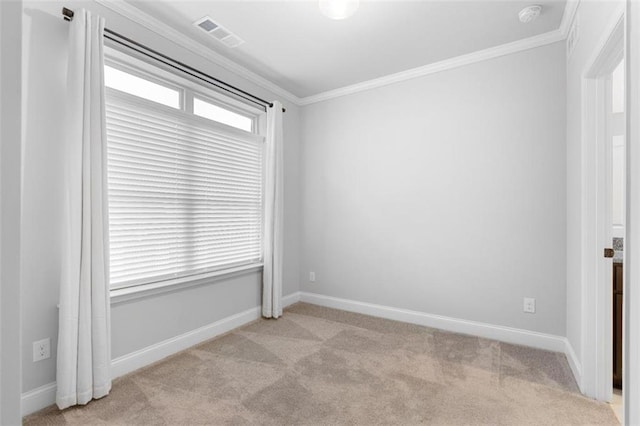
(185, 194)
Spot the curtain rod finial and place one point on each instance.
(67, 14)
(271, 106)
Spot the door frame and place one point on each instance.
(631, 325)
(597, 339)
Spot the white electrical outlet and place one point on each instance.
(530, 305)
(41, 349)
(312, 277)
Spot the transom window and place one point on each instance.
(185, 177)
(143, 88)
(212, 111)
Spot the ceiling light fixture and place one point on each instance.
(338, 9)
(529, 13)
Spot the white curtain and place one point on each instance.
(272, 272)
(83, 369)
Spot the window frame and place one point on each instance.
(188, 89)
(210, 100)
(137, 72)
(189, 86)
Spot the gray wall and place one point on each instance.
(10, 153)
(135, 324)
(402, 186)
(444, 194)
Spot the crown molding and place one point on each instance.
(125, 9)
(458, 61)
(569, 15)
(131, 12)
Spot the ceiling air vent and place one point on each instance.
(220, 33)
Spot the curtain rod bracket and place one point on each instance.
(67, 14)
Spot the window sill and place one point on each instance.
(146, 290)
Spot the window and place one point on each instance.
(137, 86)
(216, 113)
(184, 192)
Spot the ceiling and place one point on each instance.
(296, 47)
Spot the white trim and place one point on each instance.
(516, 336)
(574, 363)
(44, 396)
(136, 15)
(596, 340)
(135, 360)
(290, 299)
(631, 340)
(143, 357)
(38, 398)
(133, 63)
(127, 10)
(459, 61)
(141, 291)
(512, 335)
(569, 15)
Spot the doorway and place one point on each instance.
(603, 214)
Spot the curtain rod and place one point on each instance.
(67, 15)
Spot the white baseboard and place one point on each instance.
(146, 356)
(44, 396)
(516, 336)
(574, 363)
(38, 398)
(290, 299)
(489, 331)
(132, 361)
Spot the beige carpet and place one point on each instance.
(320, 366)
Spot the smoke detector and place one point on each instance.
(529, 13)
(218, 32)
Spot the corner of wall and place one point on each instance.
(574, 363)
(44, 396)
